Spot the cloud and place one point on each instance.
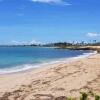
(35, 42)
(14, 42)
(93, 34)
(60, 2)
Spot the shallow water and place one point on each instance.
(21, 57)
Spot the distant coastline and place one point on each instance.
(63, 45)
(55, 44)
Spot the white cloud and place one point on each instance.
(93, 34)
(14, 42)
(61, 2)
(18, 42)
(35, 42)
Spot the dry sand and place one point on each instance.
(66, 78)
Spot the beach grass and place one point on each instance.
(86, 96)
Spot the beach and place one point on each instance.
(65, 78)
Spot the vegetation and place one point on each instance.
(97, 97)
(86, 96)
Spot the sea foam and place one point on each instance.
(26, 67)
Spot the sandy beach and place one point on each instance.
(66, 78)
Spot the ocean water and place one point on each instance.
(13, 59)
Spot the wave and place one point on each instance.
(26, 67)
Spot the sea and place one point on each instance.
(15, 59)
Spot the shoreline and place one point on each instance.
(37, 66)
(65, 78)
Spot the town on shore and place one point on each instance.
(94, 45)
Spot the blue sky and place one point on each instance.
(31, 21)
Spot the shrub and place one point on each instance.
(84, 96)
(97, 97)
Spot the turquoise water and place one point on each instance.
(20, 57)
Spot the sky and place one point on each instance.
(43, 21)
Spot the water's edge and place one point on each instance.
(27, 67)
